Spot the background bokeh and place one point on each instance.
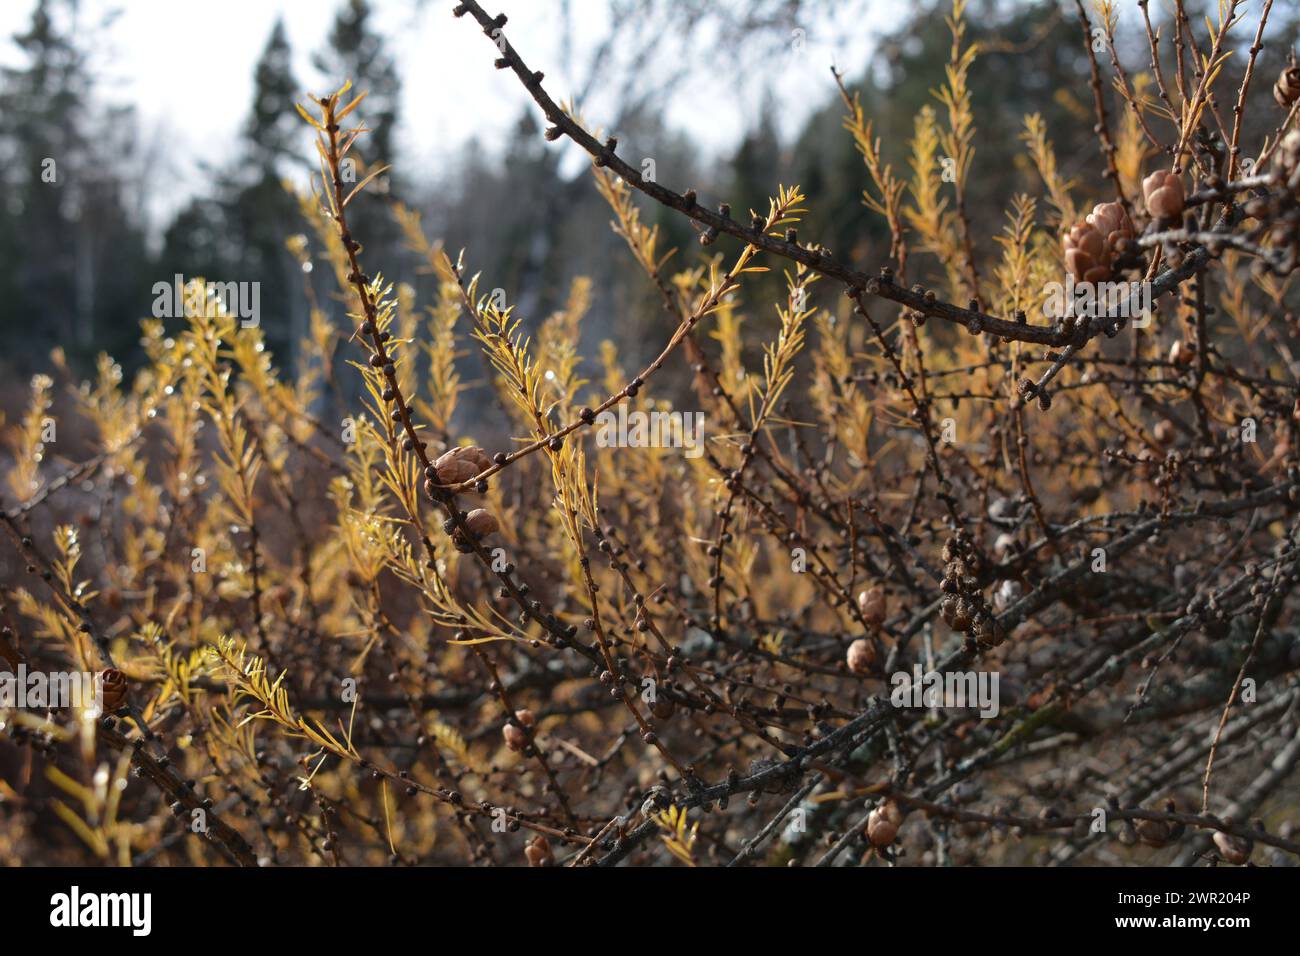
(176, 146)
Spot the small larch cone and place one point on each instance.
(538, 852)
(883, 823)
(1234, 849)
(1158, 833)
(1110, 219)
(1006, 594)
(1147, 465)
(1154, 833)
(871, 603)
(480, 522)
(956, 612)
(1287, 88)
(516, 737)
(1162, 192)
(461, 464)
(1091, 245)
(861, 656)
(112, 687)
(1085, 257)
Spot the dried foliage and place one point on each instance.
(357, 638)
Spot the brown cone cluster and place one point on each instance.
(964, 607)
(1092, 245)
(460, 464)
(1162, 192)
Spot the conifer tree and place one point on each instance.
(72, 250)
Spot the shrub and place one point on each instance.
(977, 562)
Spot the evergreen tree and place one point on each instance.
(72, 251)
(42, 104)
(262, 210)
(238, 231)
(273, 130)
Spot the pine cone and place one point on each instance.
(1158, 833)
(516, 737)
(113, 688)
(871, 603)
(956, 612)
(481, 523)
(1110, 219)
(538, 851)
(883, 823)
(1154, 833)
(861, 657)
(1090, 246)
(1162, 192)
(1287, 88)
(461, 464)
(1084, 254)
(1234, 849)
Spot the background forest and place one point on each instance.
(78, 258)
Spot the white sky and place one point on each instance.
(187, 66)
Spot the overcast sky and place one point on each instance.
(187, 66)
